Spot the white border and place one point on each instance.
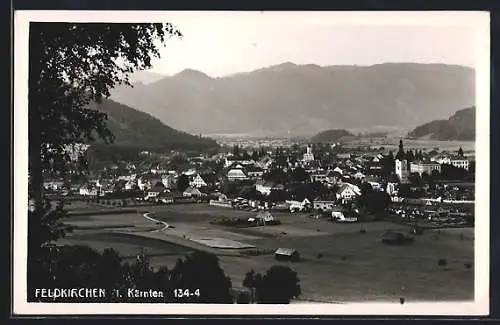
(479, 307)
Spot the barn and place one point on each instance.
(286, 254)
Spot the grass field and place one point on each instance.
(353, 266)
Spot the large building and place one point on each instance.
(308, 156)
(457, 161)
(402, 170)
(427, 167)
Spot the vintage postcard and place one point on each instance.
(270, 163)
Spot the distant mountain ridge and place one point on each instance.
(305, 98)
(331, 135)
(460, 126)
(138, 129)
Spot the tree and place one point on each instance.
(252, 280)
(279, 285)
(388, 165)
(410, 156)
(182, 182)
(299, 174)
(72, 65)
(460, 152)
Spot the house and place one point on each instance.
(373, 181)
(348, 191)
(323, 205)
(53, 185)
(265, 162)
(321, 177)
(198, 181)
(338, 170)
(192, 192)
(221, 203)
(254, 171)
(392, 188)
(130, 185)
(236, 172)
(264, 187)
(266, 216)
(359, 175)
(154, 192)
(344, 156)
(296, 206)
(337, 213)
(90, 189)
(286, 254)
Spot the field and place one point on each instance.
(338, 262)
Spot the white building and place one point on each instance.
(427, 167)
(402, 170)
(460, 162)
(348, 191)
(236, 173)
(308, 156)
(198, 182)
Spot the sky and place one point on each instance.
(223, 43)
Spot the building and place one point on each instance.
(308, 156)
(192, 192)
(427, 167)
(286, 254)
(265, 188)
(348, 191)
(324, 205)
(236, 172)
(321, 177)
(460, 162)
(402, 170)
(154, 192)
(296, 206)
(198, 181)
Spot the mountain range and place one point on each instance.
(331, 136)
(138, 129)
(304, 99)
(460, 126)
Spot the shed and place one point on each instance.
(286, 254)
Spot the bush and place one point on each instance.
(320, 255)
(442, 262)
(344, 258)
(467, 266)
(362, 231)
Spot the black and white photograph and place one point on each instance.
(257, 162)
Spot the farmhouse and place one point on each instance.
(192, 192)
(348, 191)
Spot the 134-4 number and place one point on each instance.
(184, 293)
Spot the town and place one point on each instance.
(324, 179)
(282, 204)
